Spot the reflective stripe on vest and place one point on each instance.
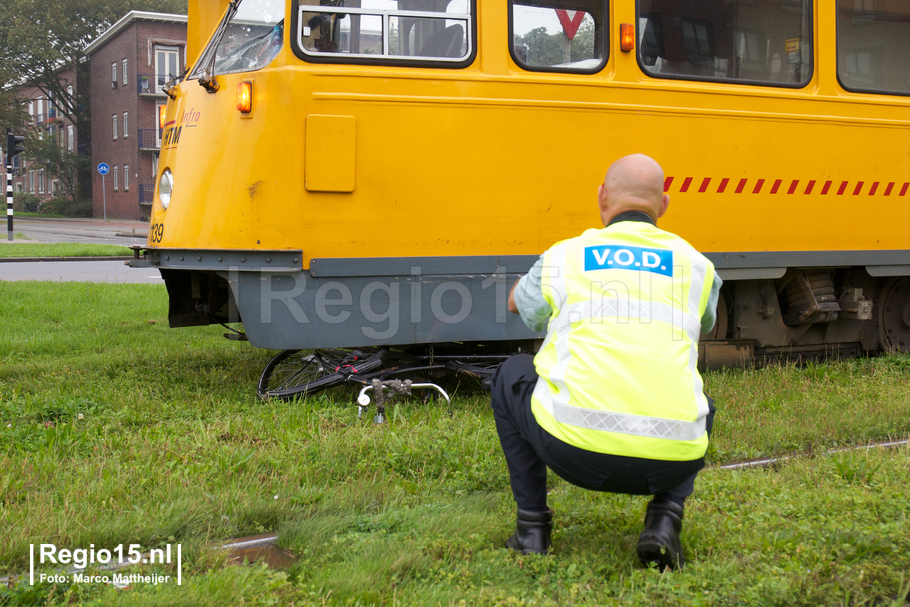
(688, 436)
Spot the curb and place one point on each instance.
(33, 259)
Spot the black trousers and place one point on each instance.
(530, 450)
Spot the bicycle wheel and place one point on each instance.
(480, 370)
(290, 370)
(299, 375)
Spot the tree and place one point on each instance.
(545, 49)
(39, 41)
(61, 163)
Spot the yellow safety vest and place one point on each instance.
(618, 365)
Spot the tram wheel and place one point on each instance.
(720, 325)
(894, 316)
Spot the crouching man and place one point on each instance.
(613, 401)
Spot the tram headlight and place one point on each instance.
(165, 187)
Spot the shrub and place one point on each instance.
(25, 203)
(66, 207)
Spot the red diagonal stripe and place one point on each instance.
(842, 188)
(904, 189)
(826, 187)
(685, 185)
(776, 186)
(758, 186)
(723, 185)
(704, 185)
(793, 186)
(667, 183)
(873, 188)
(742, 184)
(889, 188)
(858, 188)
(809, 187)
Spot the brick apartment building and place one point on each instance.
(45, 120)
(130, 64)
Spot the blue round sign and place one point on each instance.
(103, 168)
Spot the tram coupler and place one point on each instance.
(384, 391)
(140, 257)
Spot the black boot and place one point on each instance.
(532, 532)
(659, 542)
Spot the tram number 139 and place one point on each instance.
(156, 233)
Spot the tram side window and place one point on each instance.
(873, 46)
(558, 35)
(767, 42)
(437, 30)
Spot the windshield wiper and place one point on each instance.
(207, 77)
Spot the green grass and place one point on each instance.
(63, 249)
(122, 430)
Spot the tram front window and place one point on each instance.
(438, 30)
(765, 42)
(548, 35)
(249, 41)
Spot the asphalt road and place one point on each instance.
(123, 232)
(80, 271)
(89, 230)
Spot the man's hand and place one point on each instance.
(512, 307)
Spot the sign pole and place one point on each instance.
(103, 169)
(9, 196)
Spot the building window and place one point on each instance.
(126, 128)
(126, 178)
(70, 138)
(124, 72)
(41, 181)
(166, 61)
(114, 75)
(116, 174)
(115, 126)
(31, 182)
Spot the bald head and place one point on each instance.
(633, 183)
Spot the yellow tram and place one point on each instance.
(367, 172)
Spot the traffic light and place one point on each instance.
(14, 143)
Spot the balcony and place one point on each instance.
(146, 193)
(148, 139)
(150, 84)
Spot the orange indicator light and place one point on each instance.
(162, 115)
(626, 37)
(245, 97)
